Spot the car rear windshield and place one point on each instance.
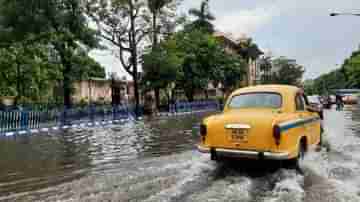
(256, 100)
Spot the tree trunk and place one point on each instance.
(206, 94)
(154, 46)
(136, 93)
(168, 97)
(157, 98)
(18, 85)
(66, 74)
(67, 86)
(189, 93)
(155, 36)
(134, 58)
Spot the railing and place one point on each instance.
(16, 120)
(24, 119)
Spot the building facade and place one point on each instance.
(248, 50)
(98, 90)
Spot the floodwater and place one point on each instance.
(156, 160)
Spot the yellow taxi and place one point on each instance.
(262, 122)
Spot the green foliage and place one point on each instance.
(86, 67)
(203, 18)
(199, 52)
(45, 42)
(191, 60)
(288, 72)
(203, 60)
(345, 77)
(161, 66)
(229, 70)
(351, 68)
(248, 49)
(326, 82)
(26, 70)
(7, 91)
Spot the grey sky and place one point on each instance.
(299, 29)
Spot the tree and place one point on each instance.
(204, 61)
(155, 7)
(123, 23)
(28, 72)
(204, 18)
(199, 51)
(229, 72)
(309, 87)
(86, 67)
(287, 72)
(161, 66)
(327, 82)
(351, 69)
(61, 24)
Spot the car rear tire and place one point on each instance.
(213, 155)
(320, 144)
(321, 137)
(297, 162)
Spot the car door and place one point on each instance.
(303, 115)
(310, 125)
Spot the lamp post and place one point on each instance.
(337, 14)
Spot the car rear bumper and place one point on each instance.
(245, 153)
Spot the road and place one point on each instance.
(166, 167)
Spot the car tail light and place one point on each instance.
(203, 131)
(277, 134)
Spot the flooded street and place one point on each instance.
(156, 160)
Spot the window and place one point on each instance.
(299, 102)
(256, 100)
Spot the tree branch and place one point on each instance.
(122, 49)
(110, 39)
(127, 67)
(141, 37)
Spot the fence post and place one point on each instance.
(64, 116)
(114, 112)
(24, 119)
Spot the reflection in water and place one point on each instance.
(154, 160)
(31, 162)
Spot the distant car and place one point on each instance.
(315, 102)
(326, 102)
(262, 122)
(332, 99)
(350, 99)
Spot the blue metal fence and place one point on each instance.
(26, 119)
(15, 120)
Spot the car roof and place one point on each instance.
(287, 89)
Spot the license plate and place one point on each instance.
(238, 135)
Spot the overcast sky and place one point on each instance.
(298, 29)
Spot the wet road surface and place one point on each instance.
(157, 161)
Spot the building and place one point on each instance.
(276, 66)
(229, 42)
(99, 90)
(247, 49)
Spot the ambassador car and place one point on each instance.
(262, 122)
